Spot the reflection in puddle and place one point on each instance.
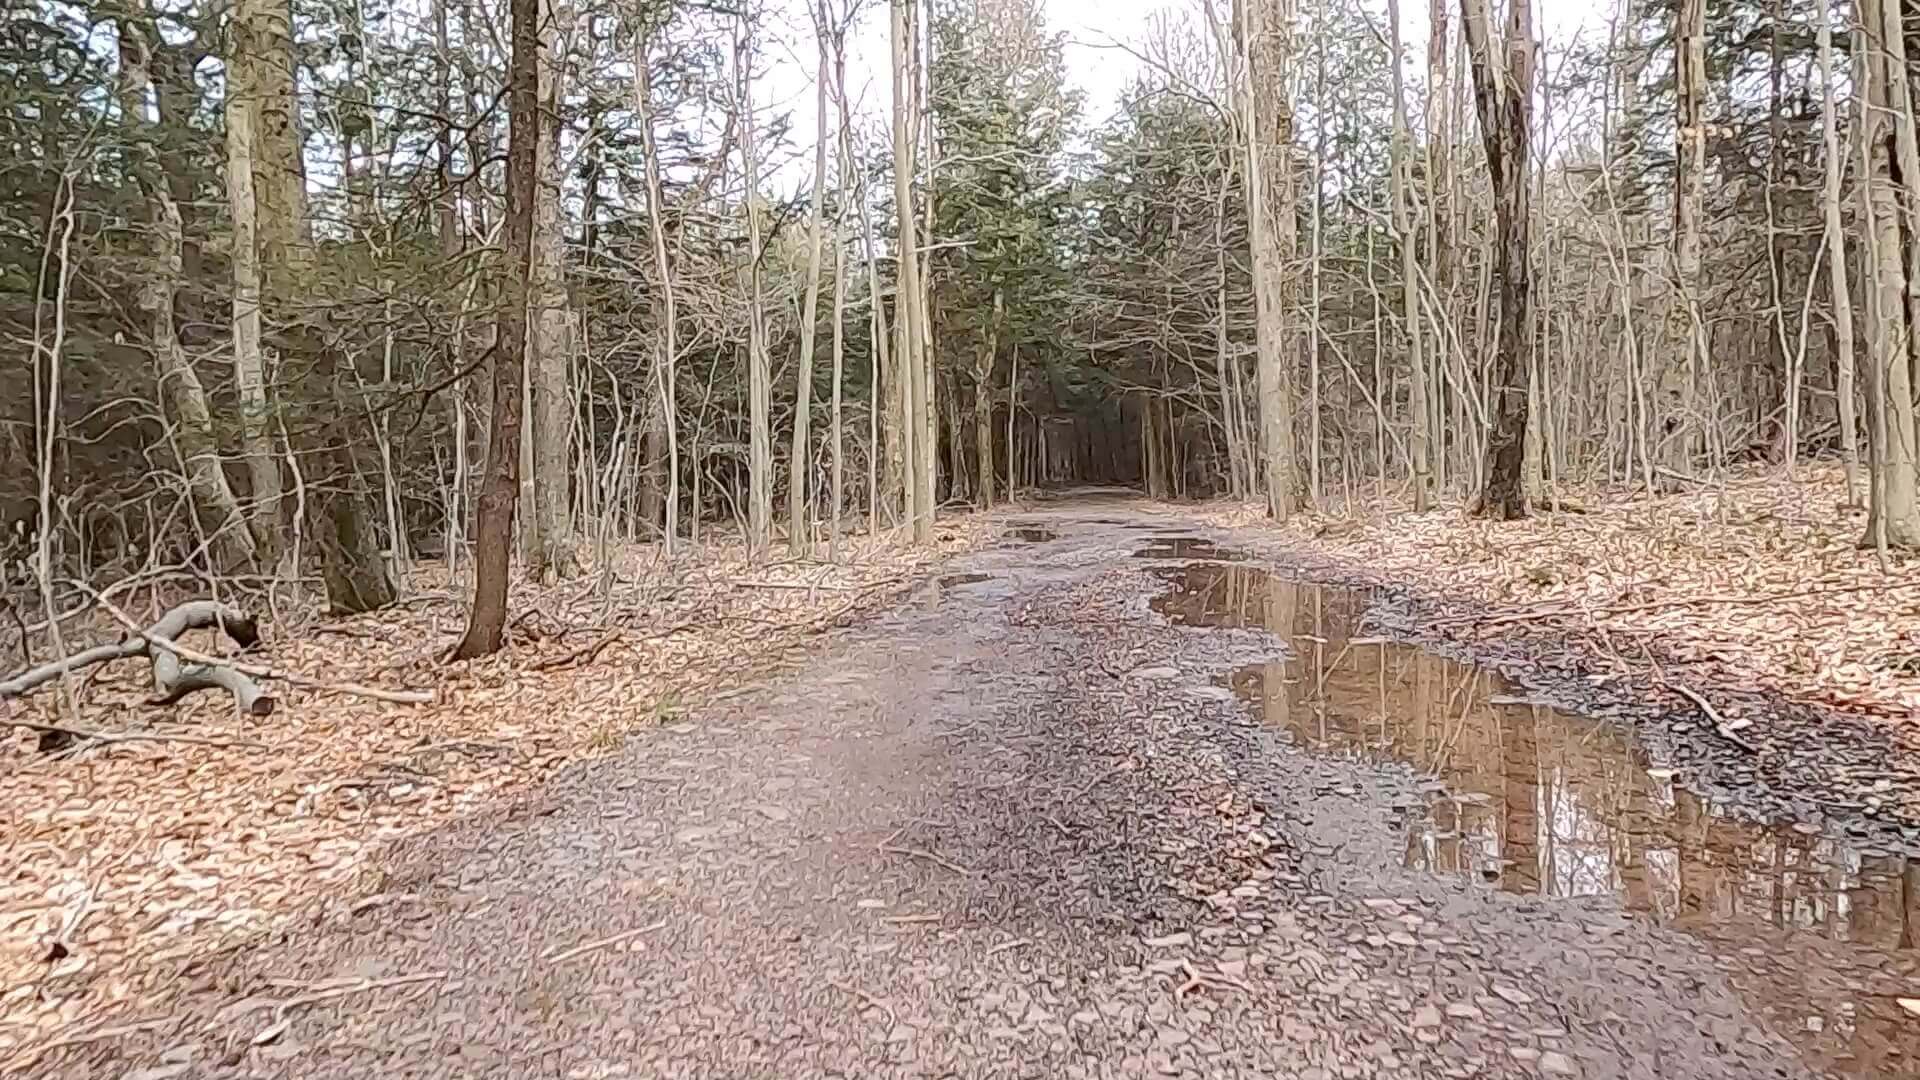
(1820, 935)
(1033, 535)
(1186, 547)
(952, 580)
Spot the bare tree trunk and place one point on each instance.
(760, 367)
(493, 532)
(249, 360)
(551, 528)
(1266, 40)
(911, 358)
(983, 402)
(230, 540)
(663, 417)
(799, 529)
(1837, 282)
(1503, 92)
(1894, 517)
(1407, 225)
(1682, 382)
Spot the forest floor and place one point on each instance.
(1014, 813)
(128, 863)
(1050, 816)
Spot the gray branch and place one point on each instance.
(172, 680)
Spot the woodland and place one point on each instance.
(495, 323)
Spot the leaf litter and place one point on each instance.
(1758, 583)
(129, 861)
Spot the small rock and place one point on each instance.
(1525, 1055)
(1426, 1017)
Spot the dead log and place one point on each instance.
(172, 679)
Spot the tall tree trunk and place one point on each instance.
(1503, 94)
(551, 528)
(910, 358)
(1407, 225)
(663, 436)
(983, 402)
(249, 358)
(759, 365)
(1837, 283)
(1690, 135)
(230, 542)
(1267, 115)
(799, 528)
(493, 533)
(1894, 516)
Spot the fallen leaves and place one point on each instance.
(1758, 582)
(136, 857)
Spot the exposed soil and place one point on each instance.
(1082, 816)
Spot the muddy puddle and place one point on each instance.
(1821, 935)
(1187, 547)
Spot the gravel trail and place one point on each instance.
(1018, 827)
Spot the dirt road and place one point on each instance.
(1029, 825)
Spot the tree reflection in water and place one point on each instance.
(1821, 932)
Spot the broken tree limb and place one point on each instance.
(399, 697)
(172, 680)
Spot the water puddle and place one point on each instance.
(1032, 535)
(952, 580)
(1821, 935)
(1186, 547)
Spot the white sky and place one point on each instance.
(1101, 71)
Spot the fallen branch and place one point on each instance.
(585, 654)
(172, 680)
(565, 955)
(327, 992)
(129, 736)
(1720, 724)
(399, 697)
(916, 853)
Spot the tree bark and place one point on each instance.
(663, 418)
(1503, 93)
(230, 541)
(910, 358)
(1406, 223)
(1838, 285)
(1266, 29)
(1893, 515)
(983, 402)
(759, 365)
(551, 528)
(799, 527)
(249, 360)
(493, 532)
(1690, 138)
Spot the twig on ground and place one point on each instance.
(21, 1061)
(1004, 946)
(1719, 722)
(327, 991)
(917, 853)
(565, 955)
(586, 654)
(878, 1003)
(131, 736)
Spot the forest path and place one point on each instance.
(1016, 827)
